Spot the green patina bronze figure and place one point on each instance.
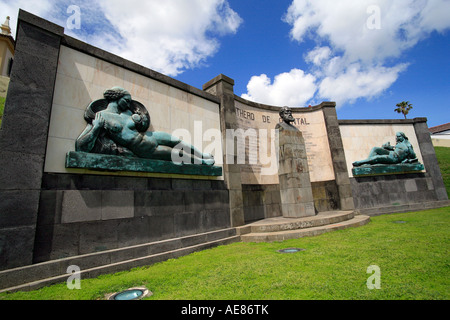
(118, 125)
(287, 117)
(401, 153)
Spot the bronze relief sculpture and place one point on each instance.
(389, 159)
(118, 125)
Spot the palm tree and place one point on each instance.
(403, 107)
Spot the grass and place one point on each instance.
(2, 107)
(413, 258)
(443, 156)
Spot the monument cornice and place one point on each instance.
(382, 121)
(262, 106)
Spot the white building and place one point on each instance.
(440, 135)
(6, 49)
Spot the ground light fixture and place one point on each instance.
(130, 294)
(290, 250)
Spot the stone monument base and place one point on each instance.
(94, 161)
(380, 169)
(295, 186)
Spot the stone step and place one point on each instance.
(92, 265)
(282, 224)
(356, 221)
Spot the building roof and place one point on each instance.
(9, 37)
(10, 41)
(440, 128)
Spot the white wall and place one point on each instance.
(359, 139)
(82, 78)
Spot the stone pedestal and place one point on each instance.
(293, 172)
(383, 169)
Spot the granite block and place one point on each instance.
(187, 223)
(20, 171)
(81, 205)
(217, 219)
(64, 241)
(18, 208)
(15, 253)
(297, 210)
(117, 204)
(134, 231)
(95, 237)
(194, 201)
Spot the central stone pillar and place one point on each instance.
(222, 87)
(293, 172)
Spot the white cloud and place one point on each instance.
(318, 55)
(344, 24)
(168, 36)
(356, 82)
(292, 88)
(359, 43)
(435, 15)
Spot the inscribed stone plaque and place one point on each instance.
(312, 125)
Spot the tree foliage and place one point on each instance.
(403, 107)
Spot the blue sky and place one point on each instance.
(365, 55)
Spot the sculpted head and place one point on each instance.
(122, 96)
(400, 137)
(286, 115)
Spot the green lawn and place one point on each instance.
(2, 107)
(443, 156)
(413, 258)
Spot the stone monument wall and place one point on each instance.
(82, 78)
(49, 211)
(310, 121)
(260, 182)
(375, 193)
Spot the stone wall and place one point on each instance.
(392, 190)
(83, 75)
(310, 121)
(263, 201)
(81, 214)
(375, 194)
(23, 136)
(49, 211)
